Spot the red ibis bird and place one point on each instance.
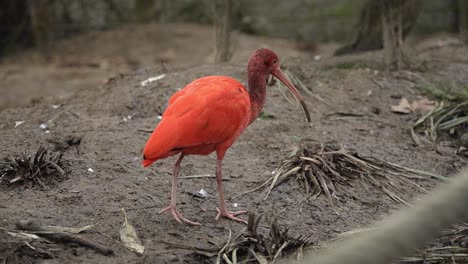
(208, 115)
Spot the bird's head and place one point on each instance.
(266, 62)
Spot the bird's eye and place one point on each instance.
(275, 61)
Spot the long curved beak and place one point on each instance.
(284, 79)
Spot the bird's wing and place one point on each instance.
(209, 110)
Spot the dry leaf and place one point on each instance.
(404, 107)
(18, 123)
(423, 105)
(129, 237)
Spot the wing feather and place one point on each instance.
(209, 110)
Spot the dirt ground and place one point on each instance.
(110, 112)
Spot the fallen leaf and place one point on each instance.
(404, 107)
(423, 105)
(18, 123)
(129, 237)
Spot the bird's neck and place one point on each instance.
(257, 90)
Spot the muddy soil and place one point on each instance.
(112, 119)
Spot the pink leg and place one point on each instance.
(172, 207)
(222, 208)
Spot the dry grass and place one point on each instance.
(450, 116)
(40, 168)
(452, 247)
(329, 169)
(446, 117)
(251, 246)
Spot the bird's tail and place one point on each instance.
(160, 144)
(146, 162)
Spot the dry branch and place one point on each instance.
(329, 168)
(62, 237)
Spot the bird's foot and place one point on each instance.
(178, 216)
(230, 215)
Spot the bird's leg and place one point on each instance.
(172, 207)
(222, 208)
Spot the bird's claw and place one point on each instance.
(230, 215)
(178, 216)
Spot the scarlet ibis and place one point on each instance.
(208, 115)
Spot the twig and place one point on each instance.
(209, 251)
(218, 259)
(145, 130)
(279, 251)
(254, 189)
(64, 237)
(198, 176)
(134, 208)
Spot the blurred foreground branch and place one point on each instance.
(404, 232)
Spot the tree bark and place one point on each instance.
(369, 29)
(392, 32)
(144, 10)
(462, 19)
(41, 22)
(223, 24)
(15, 26)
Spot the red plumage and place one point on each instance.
(208, 115)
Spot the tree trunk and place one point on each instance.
(369, 29)
(223, 30)
(41, 23)
(462, 17)
(144, 10)
(392, 32)
(15, 26)
(167, 7)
